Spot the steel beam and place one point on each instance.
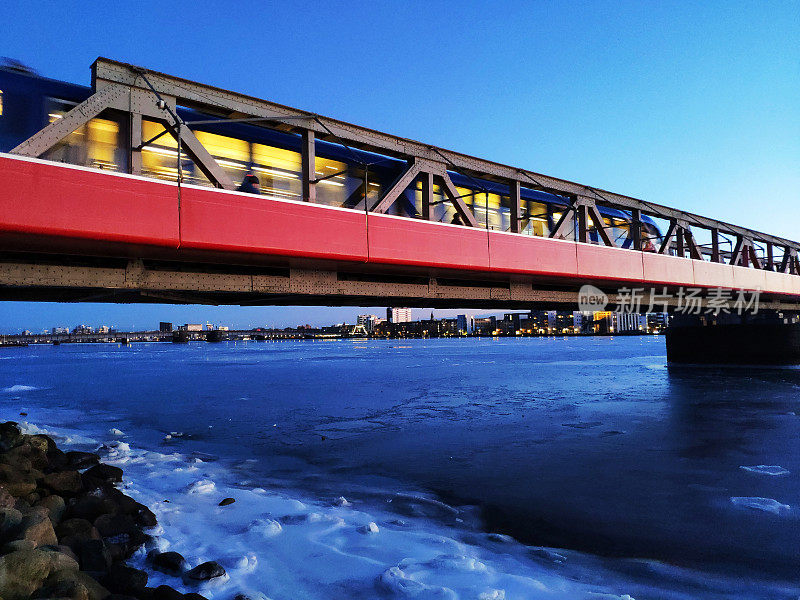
(399, 186)
(224, 102)
(308, 169)
(514, 193)
(457, 201)
(77, 117)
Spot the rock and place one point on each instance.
(123, 579)
(23, 572)
(205, 571)
(17, 481)
(67, 583)
(10, 518)
(144, 516)
(38, 529)
(6, 499)
(92, 505)
(9, 435)
(193, 596)
(171, 563)
(123, 597)
(164, 592)
(64, 550)
(81, 460)
(113, 525)
(227, 501)
(55, 506)
(75, 532)
(18, 545)
(104, 472)
(94, 556)
(64, 483)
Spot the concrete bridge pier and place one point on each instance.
(767, 338)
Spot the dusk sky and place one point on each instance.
(692, 105)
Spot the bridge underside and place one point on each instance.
(82, 278)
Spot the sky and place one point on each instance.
(688, 104)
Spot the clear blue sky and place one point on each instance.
(690, 104)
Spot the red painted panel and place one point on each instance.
(781, 283)
(604, 262)
(416, 242)
(712, 275)
(237, 222)
(44, 198)
(514, 253)
(748, 279)
(664, 269)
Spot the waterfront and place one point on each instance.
(591, 444)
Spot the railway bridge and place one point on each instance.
(127, 191)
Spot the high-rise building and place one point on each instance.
(164, 327)
(398, 315)
(465, 324)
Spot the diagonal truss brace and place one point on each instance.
(431, 170)
(118, 97)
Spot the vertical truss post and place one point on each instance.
(679, 239)
(308, 167)
(636, 228)
(770, 264)
(135, 143)
(514, 201)
(583, 223)
(715, 256)
(427, 194)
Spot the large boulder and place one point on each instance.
(164, 592)
(67, 583)
(10, 518)
(81, 460)
(55, 506)
(6, 499)
(75, 532)
(123, 579)
(204, 572)
(18, 481)
(94, 556)
(23, 572)
(171, 563)
(38, 529)
(92, 505)
(9, 435)
(104, 473)
(64, 483)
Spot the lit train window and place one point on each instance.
(232, 154)
(1, 103)
(160, 158)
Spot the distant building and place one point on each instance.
(58, 330)
(103, 329)
(191, 327)
(223, 328)
(369, 322)
(82, 329)
(165, 327)
(465, 324)
(398, 315)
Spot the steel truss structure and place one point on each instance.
(145, 94)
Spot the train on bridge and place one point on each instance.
(31, 102)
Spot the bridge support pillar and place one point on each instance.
(764, 339)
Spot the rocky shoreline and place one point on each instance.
(66, 530)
